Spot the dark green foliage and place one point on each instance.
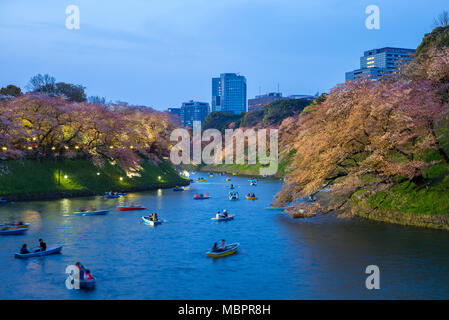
(252, 119)
(221, 120)
(438, 38)
(73, 92)
(11, 90)
(278, 110)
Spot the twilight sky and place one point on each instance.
(160, 53)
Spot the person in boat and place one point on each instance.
(232, 186)
(24, 249)
(155, 217)
(88, 275)
(222, 245)
(218, 215)
(42, 246)
(81, 269)
(214, 247)
(225, 213)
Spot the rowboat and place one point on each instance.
(47, 252)
(202, 180)
(228, 218)
(130, 208)
(201, 197)
(230, 249)
(91, 213)
(228, 179)
(151, 222)
(13, 229)
(233, 196)
(251, 198)
(178, 189)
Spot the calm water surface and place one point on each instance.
(279, 258)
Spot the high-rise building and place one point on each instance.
(377, 63)
(194, 111)
(229, 93)
(216, 94)
(262, 100)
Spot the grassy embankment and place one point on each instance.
(30, 179)
(250, 169)
(423, 204)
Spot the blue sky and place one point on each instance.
(160, 53)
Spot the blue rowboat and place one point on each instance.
(228, 218)
(47, 252)
(110, 196)
(178, 189)
(13, 231)
(91, 213)
(151, 222)
(230, 249)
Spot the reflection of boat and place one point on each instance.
(131, 208)
(228, 218)
(201, 180)
(91, 213)
(47, 252)
(233, 195)
(87, 284)
(112, 196)
(230, 249)
(302, 214)
(151, 222)
(228, 179)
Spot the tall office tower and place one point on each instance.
(194, 111)
(377, 63)
(229, 93)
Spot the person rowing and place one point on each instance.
(225, 213)
(218, 215)
(42, 246)
(222, 246)
(81, 270)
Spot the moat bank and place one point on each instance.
(23, 180)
